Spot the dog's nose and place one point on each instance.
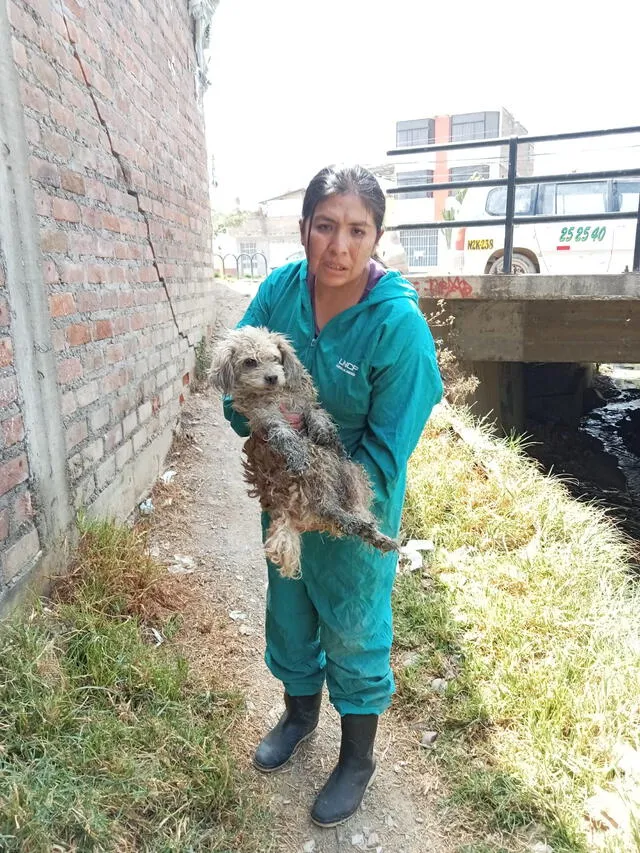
(271, 379)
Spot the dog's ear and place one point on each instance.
(293, 369)
(221, 375)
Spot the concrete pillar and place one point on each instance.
(35, 362)
(500, 394)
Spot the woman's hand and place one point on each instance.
(293, 418)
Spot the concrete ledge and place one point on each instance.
(623, 286)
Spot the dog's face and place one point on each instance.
(254, 359)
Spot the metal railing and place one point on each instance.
(512, 181)
(238, 261)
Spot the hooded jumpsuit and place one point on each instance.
(375, 369)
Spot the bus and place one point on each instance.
(556, 248)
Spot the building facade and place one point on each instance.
(427, 249)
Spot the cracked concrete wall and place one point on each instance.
(117, 190)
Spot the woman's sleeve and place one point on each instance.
(257, 314)
(406, 385)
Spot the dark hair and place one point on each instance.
(346, 180)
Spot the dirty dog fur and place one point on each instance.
(303, 478)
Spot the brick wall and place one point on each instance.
(118, 169)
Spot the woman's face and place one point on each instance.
(340, 241)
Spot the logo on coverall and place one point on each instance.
(347, 367)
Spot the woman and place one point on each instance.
(358, 330)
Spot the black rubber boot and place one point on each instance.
(356, 769)
(298, 722)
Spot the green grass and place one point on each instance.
(528, 611)
(107, 742)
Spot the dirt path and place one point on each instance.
(213, 521)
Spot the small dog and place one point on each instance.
(302, 477)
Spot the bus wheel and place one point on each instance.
(522, 265)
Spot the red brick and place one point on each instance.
(4, 312)
(8, 390)
(88, 300)
(13, 472)
(112, 438)
(95, 189)
(65, 210)
(93, 361)
(89, 131)
(56, 143)
(77, 334)
(61, 304)
(69, 369)
(58, 340)
(111, 222)
(72, 182)
(114, 381)
(19, 53)
(6, 352)
(74, 9)
(4, 524)
(68, 403)
(54, 241)
(22, 509)
(44, 172)
(120, 326)
(45, 74)
(103, 329)
(115, 353)
(81, 244)
(42, 201)
(92, 217)
(76, 432)
(72, 273)
(42, 7)
(62, 115)
(20, 555)
(12, 430)
(50, 272)
(104, 249)
(75, 95)
(34, 98)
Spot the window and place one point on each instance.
(469, 126)
(416, 132)
(410, 179)
(466, 173)
(247, 249)
(625, 195)
(570, 198)
(524, 201)
(420, 246)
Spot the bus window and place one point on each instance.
(524, 202)
(572, 198)
(625, 195)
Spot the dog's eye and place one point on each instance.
(250, 362)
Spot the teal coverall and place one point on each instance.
(375, 369)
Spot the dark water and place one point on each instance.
(601, 460)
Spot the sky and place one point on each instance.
(298, 84)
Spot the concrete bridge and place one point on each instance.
(504, 322)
